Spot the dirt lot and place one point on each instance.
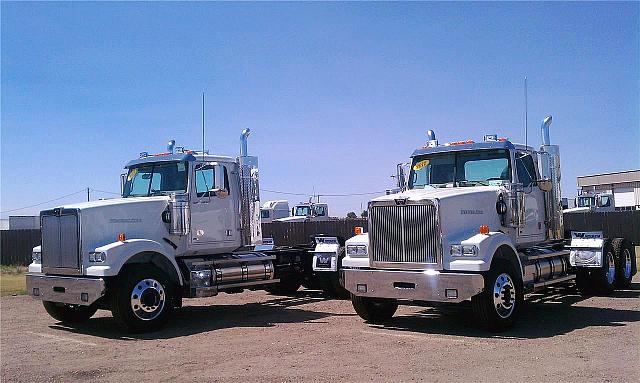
(255, 337)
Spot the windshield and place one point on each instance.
(585, 201)
(302, 211)
(486, 167)
(156, 179)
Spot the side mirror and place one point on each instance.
(401, 179)
(123, 180)
(545, 185)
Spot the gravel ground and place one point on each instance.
(256, 337)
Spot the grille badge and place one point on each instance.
(401, 201)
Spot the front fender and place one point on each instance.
(487, 246)
(118, 253)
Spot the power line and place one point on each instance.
(42, 203)
(322, 194)
(104, 191)
(266, 190)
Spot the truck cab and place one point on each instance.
(187, 225)
(595, 202)
(272, 210)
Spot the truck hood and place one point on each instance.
(576, 210)
(461, 210)
(440, 193)
(136, 217)
(116, 201)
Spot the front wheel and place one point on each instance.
(374, 310)
(143, 300)
(69, 313)
(497, 307)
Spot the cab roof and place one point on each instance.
(176, 157)
(458, 147)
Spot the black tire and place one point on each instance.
(583, 281)
(374, 310)
(503, 284)
(151, 309)
(69, 313)
(286, 286)
(604, 277)
(625, 262)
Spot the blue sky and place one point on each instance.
(335, 93)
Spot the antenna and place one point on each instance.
(203, 126)
(526, 125)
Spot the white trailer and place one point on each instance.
(479, 222)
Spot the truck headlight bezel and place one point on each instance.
(463, 250)
(97, 257)
(36, 257)
(356, 250)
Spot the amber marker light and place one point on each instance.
(358, 230)
(484, 229)
(121, 237)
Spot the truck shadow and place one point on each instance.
(555, 312)
(190, 320)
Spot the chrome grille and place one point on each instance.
(60, 240)
(404, 234)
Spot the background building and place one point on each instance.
(625, 187)
(22, 222)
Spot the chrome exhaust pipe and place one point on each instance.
(243, 141)
(545, 130)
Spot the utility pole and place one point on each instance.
(88, 196)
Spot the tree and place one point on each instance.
(364, 214)
(351, 215)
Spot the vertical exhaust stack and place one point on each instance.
(250, 226)
(550, 166)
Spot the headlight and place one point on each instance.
(36, 257)
(356, 249)
(463, 250)
(97, 257)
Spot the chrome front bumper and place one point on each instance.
(430, 286)
(71, 290)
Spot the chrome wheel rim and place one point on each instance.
(504, 295)
(611, 269)
(627, 263)
(147, 299)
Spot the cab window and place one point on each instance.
(526, 169)
(207, 176)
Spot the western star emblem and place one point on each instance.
(401, 201)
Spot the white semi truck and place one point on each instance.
(187, 226)
(479, 222)
(307, 211)
(594, 202)
(272, 210)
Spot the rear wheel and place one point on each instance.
(144, 299)
(69, 313)
(604, 277)
(374, 310)
(497, 307)
(625, 262)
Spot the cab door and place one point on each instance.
(214, 225)
(534, 228)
